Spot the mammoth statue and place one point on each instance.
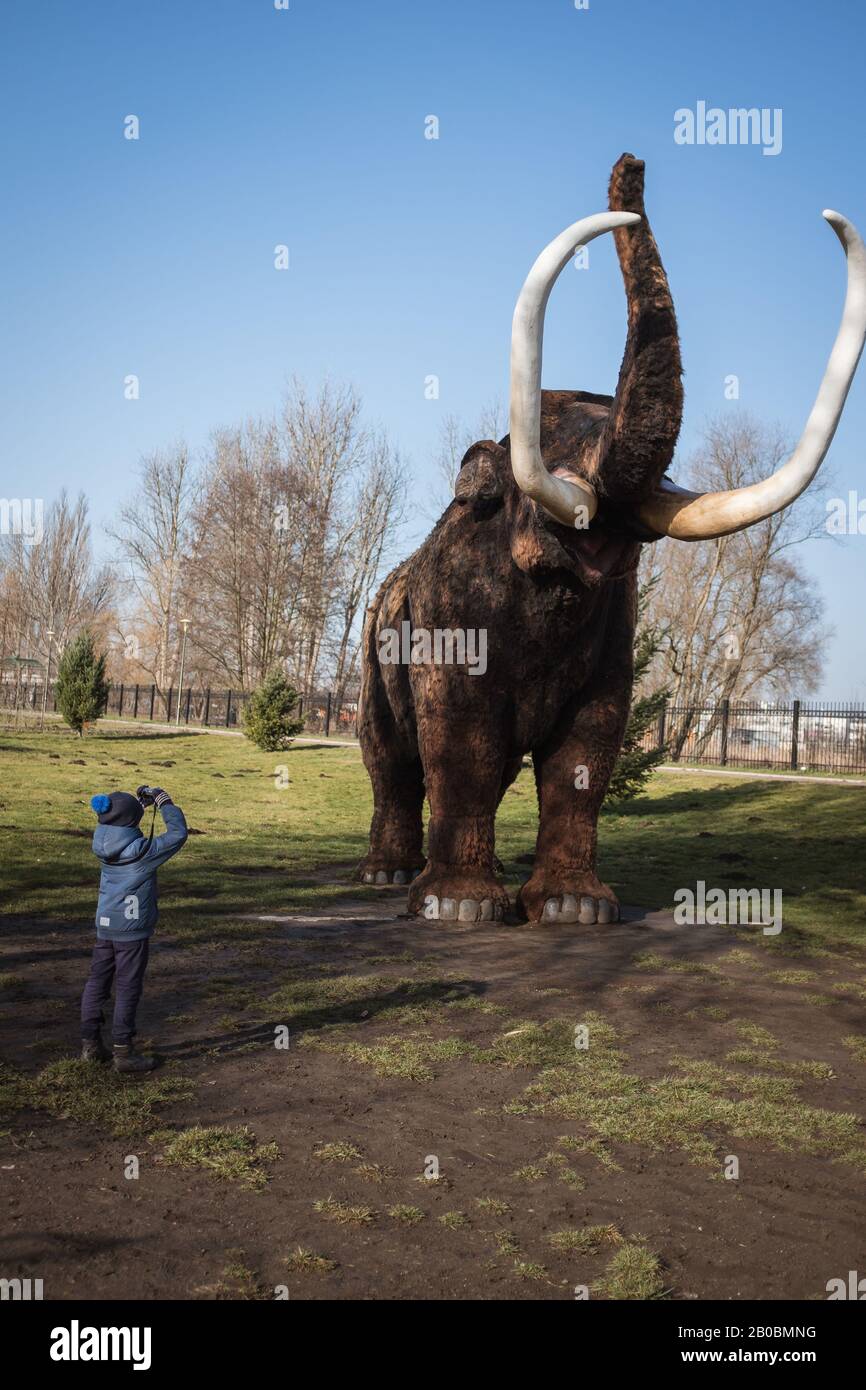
(538, 554)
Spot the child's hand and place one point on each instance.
(159, 797)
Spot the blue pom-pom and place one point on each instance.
(100, 803)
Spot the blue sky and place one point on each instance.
(306, 127)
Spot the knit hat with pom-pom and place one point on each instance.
(118, 808)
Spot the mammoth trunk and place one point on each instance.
(637, 442)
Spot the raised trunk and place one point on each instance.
(637, 442)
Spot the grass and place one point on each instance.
(587, 1241)
(340, 1151)
(683, 1106)
(238, 1282)
(411, 1059)
(632, 1273)
(343, 1214)
(374, 1172)
(453, 1220)
(230, 1152)
(728, 832)
(650, 960)
(303, 1261)
(493, 1206)
(406, 1215)
(91, 1095)
(526, 1269)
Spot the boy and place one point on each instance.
(125, 917)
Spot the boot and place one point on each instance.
(126, 1059)
(94, 1050)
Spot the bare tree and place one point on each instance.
(377, 510)
(739, 616)
(327, 445)
(271, 546)
(51, 584)
(154, 536)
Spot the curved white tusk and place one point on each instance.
(695, 516)
(574, 504)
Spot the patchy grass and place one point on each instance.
(632, 1273)
(680, 1109)
(738, 956)
(755, 1034)
(493, 1206)
(532, 1045)
(651, 960)
(238, 1282)
(530, 1172)
(806, 1070)
(406, 1215)
(453, 1220)
(230, 1152)
(343, 1214)
(856, 1044)
(374, 1172)
(412, 1059)
(340, 1151)
(303, 1261)
(587, 1241)
(91, 1095)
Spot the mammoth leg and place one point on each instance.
(464, 775)
(397, 777)
(395, 854)
(572, 777)
(572, 772)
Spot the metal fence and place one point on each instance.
(322, 711)
(794, 737)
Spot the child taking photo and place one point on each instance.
(126, 915)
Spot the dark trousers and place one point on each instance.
(123, 962)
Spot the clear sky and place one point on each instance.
(306, 127)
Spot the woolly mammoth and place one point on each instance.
(510, 630)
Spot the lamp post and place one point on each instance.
(184, 622)
(49, 633)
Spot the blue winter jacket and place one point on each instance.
(127, 909)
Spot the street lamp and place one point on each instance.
(184, 622)
(49, 633)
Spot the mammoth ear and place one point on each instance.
(482, 473)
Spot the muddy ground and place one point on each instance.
(791, 1221)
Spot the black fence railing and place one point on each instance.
(793, 737)
(322, 711)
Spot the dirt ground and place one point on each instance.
(791, 1221)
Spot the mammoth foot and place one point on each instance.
(381, 871)
(568, 899)
(449, 894)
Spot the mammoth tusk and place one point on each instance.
(572, 503)
(695, 516)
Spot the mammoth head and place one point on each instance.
(580, 457)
